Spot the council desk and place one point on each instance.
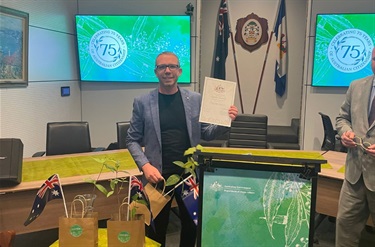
(73, 169)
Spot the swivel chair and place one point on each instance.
(67, 138)
(122, 130)
(249, 131)
(331, 139)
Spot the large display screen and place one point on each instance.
(255, 208)
(124, 48)
(343, 46)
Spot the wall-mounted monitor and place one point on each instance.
(343, 47)
(124, 48)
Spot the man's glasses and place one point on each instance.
(163, 67)
(359, 141)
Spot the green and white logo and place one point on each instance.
(108, 48)
(350, 50)
(76, 230)
(123, 237)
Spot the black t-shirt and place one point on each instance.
(174, 134)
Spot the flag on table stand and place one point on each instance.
(190, 198)
(51, 189)
(221, 51)
(281, 59)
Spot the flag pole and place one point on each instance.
(63, 197)
(178, 185)
(129, 188)
(235, 60)
(262, 73)
(266, 56)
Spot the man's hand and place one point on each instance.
(151, 173)
(347, 139)
(371, 150)
(233, 112)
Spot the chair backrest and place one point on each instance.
(122, 130)
(249, 130)
(329, 140)
(7, 238)
(68, 138)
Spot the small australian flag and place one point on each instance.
(190, 198)
(51, 189)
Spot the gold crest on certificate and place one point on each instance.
(218, 96)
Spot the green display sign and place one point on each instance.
(245, 208)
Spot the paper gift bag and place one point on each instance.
(141, 209)
(157, 198)
(80, 229)
(125, 230)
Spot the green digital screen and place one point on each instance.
(124, 48)
(255, 208)
(343, 47)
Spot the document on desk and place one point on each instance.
(218, 96)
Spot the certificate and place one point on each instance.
(218, 96)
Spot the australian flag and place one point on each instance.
(137, 192)
(221, 52)
(51, 189)
(138, 195)
(190, 197)
(281, 57)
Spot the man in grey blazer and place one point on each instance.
(357, 130)
(166, 122)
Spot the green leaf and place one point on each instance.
(112, 184)
(172, 180)
(101, 161)
(190, 151)
(101, 189)
(89, 180)
(110, 193)
(109, 167)
(179, 163)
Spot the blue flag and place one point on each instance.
(51, 189)
(281, 42)
(190, 198)
(221, 51)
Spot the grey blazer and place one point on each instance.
(353, 116)
(145, 127)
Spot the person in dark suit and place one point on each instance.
(356, 127)
(166, 122)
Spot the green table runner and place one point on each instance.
(74, 165)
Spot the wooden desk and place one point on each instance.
(16, 202)
(329, 185)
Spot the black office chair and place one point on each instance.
(331, 139)
(67, 138)
(122, 130)
(248, 131)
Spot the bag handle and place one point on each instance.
(73, 207)
(127, 211)
(164, 182)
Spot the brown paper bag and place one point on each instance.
(125, 230)
(141, 209)
(157, 198)
(81, 229)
